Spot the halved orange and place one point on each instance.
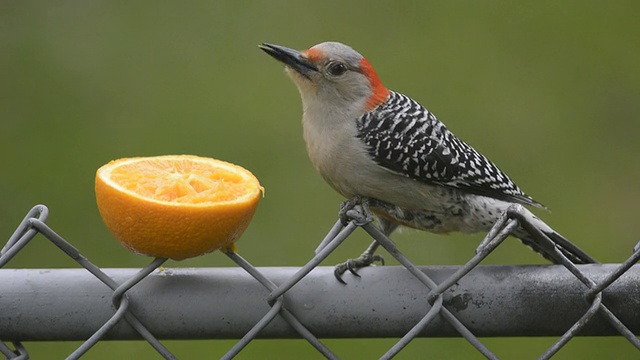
(176, 206)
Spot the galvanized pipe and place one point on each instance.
(224, 303)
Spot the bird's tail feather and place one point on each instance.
(566, 247)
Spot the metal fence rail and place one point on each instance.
(469, 301)
(69, 304)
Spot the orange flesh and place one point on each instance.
(179, 181)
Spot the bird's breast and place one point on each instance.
(343, 161)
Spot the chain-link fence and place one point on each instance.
(408, 301)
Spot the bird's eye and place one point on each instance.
(336, 68)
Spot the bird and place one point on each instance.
(374, 144)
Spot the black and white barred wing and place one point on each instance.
(404, 137)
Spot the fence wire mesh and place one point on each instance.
(436, 309)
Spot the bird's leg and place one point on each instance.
(368, 257)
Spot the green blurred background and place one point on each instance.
(549, 90)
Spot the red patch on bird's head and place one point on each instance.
(314, 55)
(379, 92)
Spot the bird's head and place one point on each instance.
(332, 74)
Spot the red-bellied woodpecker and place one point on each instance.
(370, 142)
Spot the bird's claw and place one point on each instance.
(347, 206)
(353, 265)
(356, 208)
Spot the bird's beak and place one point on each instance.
(290, 57)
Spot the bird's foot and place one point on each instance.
(353, 265)
(356, 208)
